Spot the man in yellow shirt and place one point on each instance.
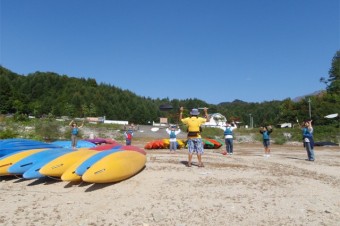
(194, 123)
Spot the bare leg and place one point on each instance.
(189, 159)
(200, 163)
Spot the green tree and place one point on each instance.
(333, 81)
(18, 105)
(69, 110)
(48, 129)
(5, 94)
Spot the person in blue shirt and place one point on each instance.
(308, 140)
(173, 137)
(229, 137)
(74, 133)
(266, 131)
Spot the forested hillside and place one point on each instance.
(43, 93)
(47, 93)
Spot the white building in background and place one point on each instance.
(119, 122)
(285, 125)
(217, 120)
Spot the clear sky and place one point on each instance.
(214, 50)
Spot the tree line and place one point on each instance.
(48, 93)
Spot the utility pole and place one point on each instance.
(250, 121)
(310, 110)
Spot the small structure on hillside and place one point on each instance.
(95, 119)
(284, 125)
(119, 122)
(162, 122)
(216, 120)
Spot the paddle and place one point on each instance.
(166, 107)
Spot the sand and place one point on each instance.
(243, 189)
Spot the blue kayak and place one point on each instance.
(80, 144)
(9, 146)
(25, 164)
(33, 171)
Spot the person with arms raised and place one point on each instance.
(308, 140)
(195, 144)
(229, 138)
(173, 132)
(74, 133)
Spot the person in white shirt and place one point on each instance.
(173, 137)
(229, 137)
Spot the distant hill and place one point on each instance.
(236, 101)
(47, 93)
(316, 93)
(296, 99)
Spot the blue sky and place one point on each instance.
(214, 50)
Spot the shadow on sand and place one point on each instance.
(44, 180)
(185, 163)
(301, 159)
(9, 178)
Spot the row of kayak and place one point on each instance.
(99, 164)
(165, 143)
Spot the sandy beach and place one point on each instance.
(243, 189)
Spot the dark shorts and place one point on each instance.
(266, 143)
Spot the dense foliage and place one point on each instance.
(47, 93)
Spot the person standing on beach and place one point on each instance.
(195, 144)
(229, 138)
(308, 141)
(173, 137)
(128, 135)
(74, 133)
(266, 131)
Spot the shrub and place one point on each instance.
(8, 133)
(280, 140)
(47, 129)
(20, 117)
(212, 133)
